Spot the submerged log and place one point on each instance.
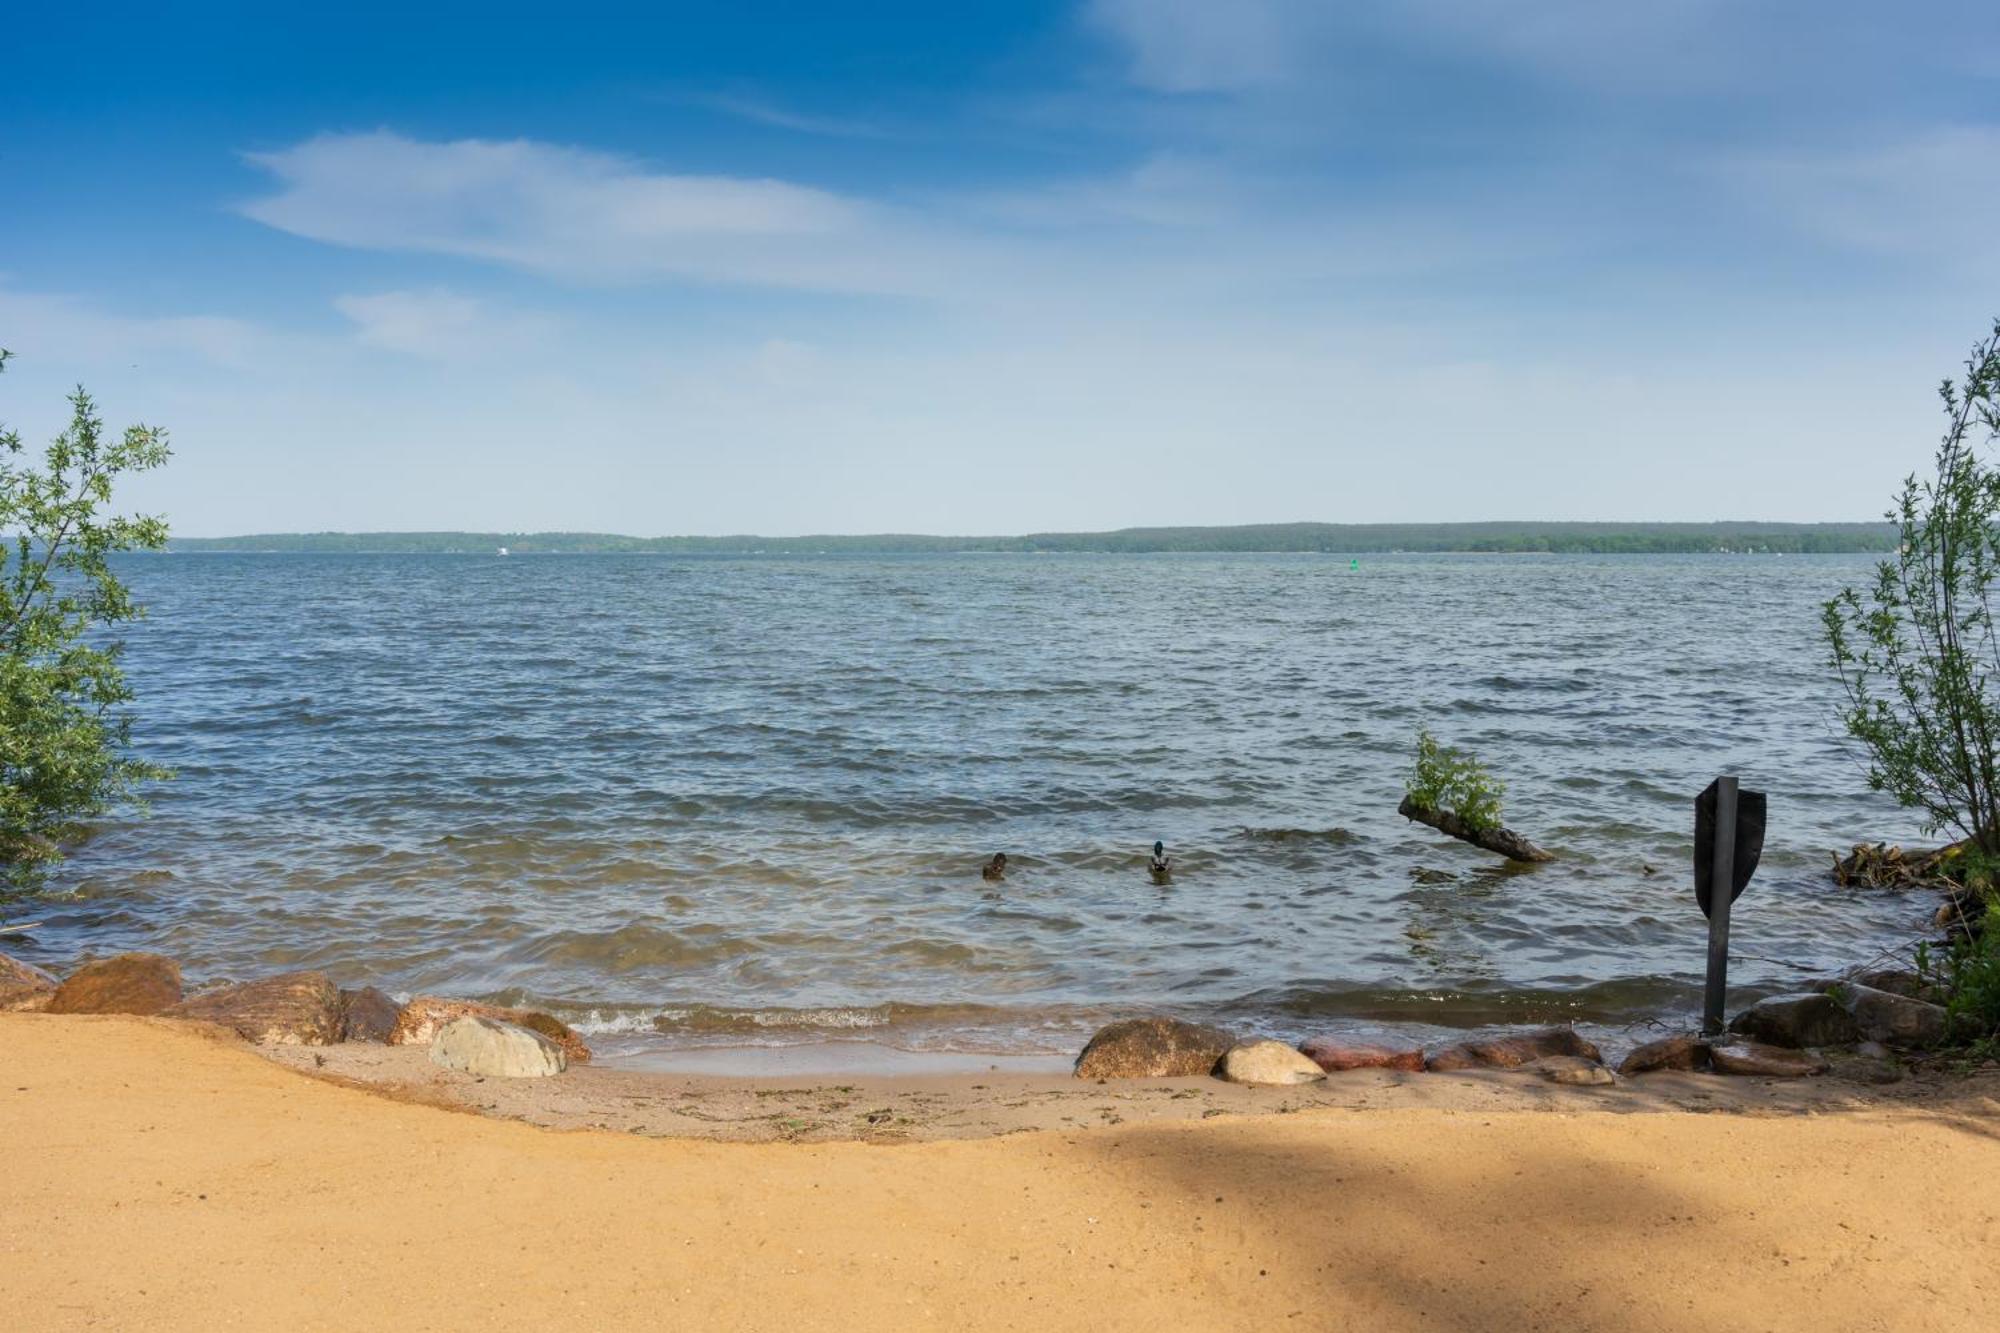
(1500, 841)
(1882, 866)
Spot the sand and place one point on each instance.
(159, 1177)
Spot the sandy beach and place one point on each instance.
(163, 1177)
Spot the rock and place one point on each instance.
(1897, 981)
(424, 1015)
(1806, 1019)
(1684, 1052)
(1336, 1056)
(474, 1044)
(1895, 1020)
(1270, 1064)
(367, 1015)
(1573, 1071)
(23, 986)
(1153, 1048)
(296, 1009)
(131, 983)
(1868, 1063)
(1755, 1058)
(1512, 1052)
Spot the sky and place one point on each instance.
(998, 268)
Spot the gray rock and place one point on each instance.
(1895, 1020)
(1685, 1051)
(484, 1046)
(1153, 1048)
(1806, 1019)
(1270, 1064)
(1573, 1071)
(1753, 1058)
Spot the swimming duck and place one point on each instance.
(1161, 867)
(995, 870)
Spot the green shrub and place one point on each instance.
(64, 729)
(1969, 970)
(1448, 778)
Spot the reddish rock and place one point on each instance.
(367, 1015)
(1336, 1056)
(23, 987)
(1513, 1052)
(421, 1018)
(1452, 1059)
(131, 983)
(1153, 1048)
(1683, 1052)
(296, 1009)
(1754, 1058)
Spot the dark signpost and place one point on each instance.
(1728, 839)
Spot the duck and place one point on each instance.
(995, 870)
(1161, 867)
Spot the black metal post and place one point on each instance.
(1720, 892)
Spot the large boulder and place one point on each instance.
(1153, 1048)
(1684, 1051)
(1754, 1058)
(1895, 1020)
(1897, 981)
(367, 1015)
(1512, 1052)
(131, 983)
(296, 1009)
(24, 986)
(1805, 1019)
(425, 1015)
(1573, 1071)
(1270, 1064)
(492, 1049)
(1336, 1056)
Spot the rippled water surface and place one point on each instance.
(728, 801)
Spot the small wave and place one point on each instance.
(1332, 837)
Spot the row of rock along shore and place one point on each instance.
(305, 1009)
(1867, 1021)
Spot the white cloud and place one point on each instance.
(1193, 46)
(1930, 196)
(583, 214)
(444, 326)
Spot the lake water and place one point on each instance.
(696, 803)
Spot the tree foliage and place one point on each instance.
(64, 733)
(1448, 778)
(1917, 653)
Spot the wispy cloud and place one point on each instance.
(440, 325)
(762, 111)
(582, 214)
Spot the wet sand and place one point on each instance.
(159, 1176)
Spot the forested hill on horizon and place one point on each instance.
(1331, 538)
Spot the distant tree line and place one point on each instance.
(1329, 538)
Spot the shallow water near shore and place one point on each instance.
(719, 804)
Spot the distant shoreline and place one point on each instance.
(1496, 538)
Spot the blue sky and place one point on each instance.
(999, 268)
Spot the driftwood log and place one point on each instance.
(1500, 841)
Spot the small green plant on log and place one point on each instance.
(1450, 779)
(64, 734)
(1917, 653)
